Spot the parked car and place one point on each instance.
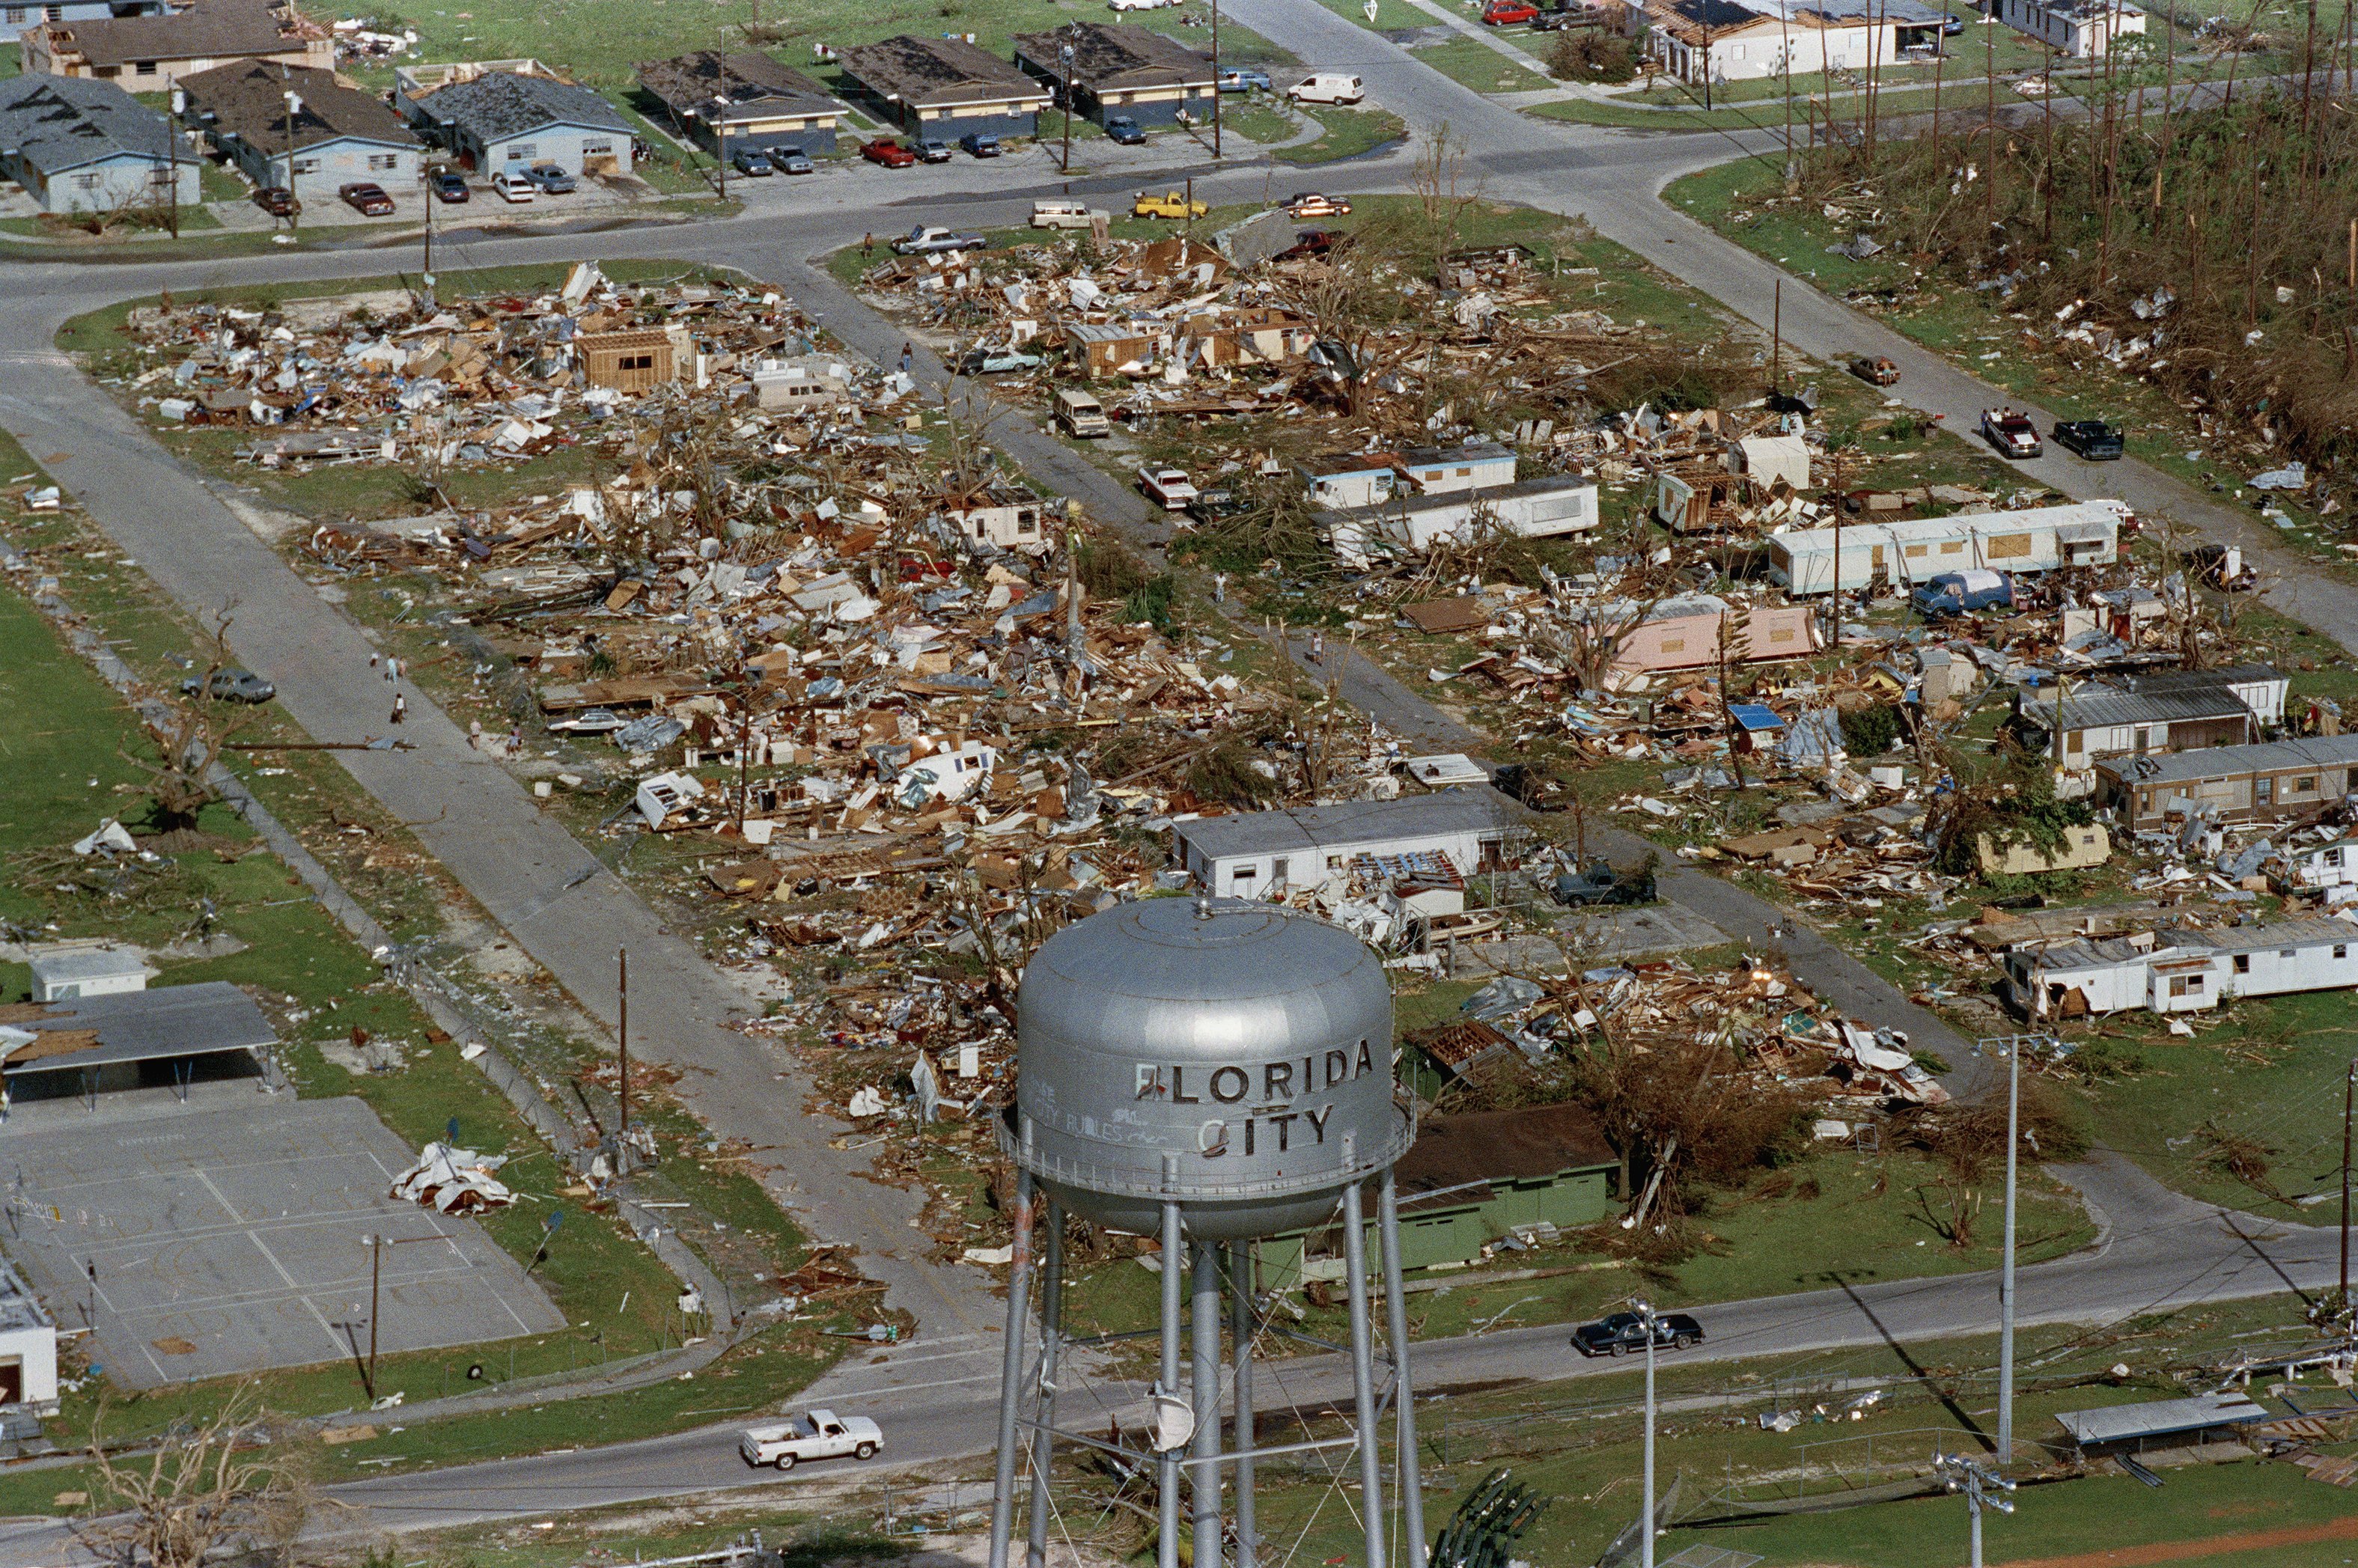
(1123, 131)
(277, 200)
(1564, 17)
(1312, 243)
(1055, 213)
(1170, 204)
(1509, 12)
(927, 238)
(368, 201)
(888, 151)
(513, 187)
(552, 180)
(790, 160)
(817, 1434)
(980, 144)
(1168, 488)
(1624, 1332)
(232, 684)
(1240, 81)
(1961, 593)
(1311, 204)
(1875, 370)
(1327, 87)
(996, 362)
(1602, 884)
(752, 162)
(1211, 506)
(450, 186)
(932, 151)
(2092, 438)
(1138, 5)
(2011, 434)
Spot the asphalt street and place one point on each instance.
(528, 872)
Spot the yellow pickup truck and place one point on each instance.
(1170, 204)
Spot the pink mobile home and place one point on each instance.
(1683, 633)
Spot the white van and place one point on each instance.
(1327, 87)
(1080, 415)
(1058, 215)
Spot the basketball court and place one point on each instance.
(206, 1240)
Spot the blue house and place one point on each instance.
(78, 145)
(14, 19)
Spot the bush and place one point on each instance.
(1591, 54)
(1870, 732)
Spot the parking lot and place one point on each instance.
(207, 1242)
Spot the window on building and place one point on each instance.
(2009, 546)
(635, 361)
(2341, 949)
(53, 12)
(520, 152)
(2287, 953)
(2263, 791)
(597, 149)
(2305, 786)
(86, 182)
(2185, 984)
(1917, 552)
(2243, 963)
(144, 67)
(383, 163)
(1952, 548)
(15, 13)
(306, 166)
(1334, 862)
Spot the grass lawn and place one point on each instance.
(1485, 70)
(1349, 133)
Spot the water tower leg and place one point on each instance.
(1409, 1462)
(1166, 1549)
(1052, 1329)
(1240, 1334)
(1010, 1370)
(1204, 1321)
(1363, 1374)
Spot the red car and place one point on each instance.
(1509, 12)
(888, 151)
(366, 198)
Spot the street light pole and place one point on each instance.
(1215, 79)
(622, 1051)
(294, 102)
(172, 147)
(376, 1244)
(2349, 1102)
(2005, 1267)
(1064, 55)
(1645, 1519)
(1977, 1482)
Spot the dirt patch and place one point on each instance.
(2211, 1546)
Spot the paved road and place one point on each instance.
(474, 819)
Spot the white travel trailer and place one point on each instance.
(1901, 553)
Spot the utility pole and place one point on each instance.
(294, 207)
(376, 1244)
(1216, 76)
(720, 147)
(2349, 1101)
(1646, 1519)
(1777, 320)
(622, 1045)
(1065, 54)
(1977, 1482)
(2005, 1267)
(172, 147)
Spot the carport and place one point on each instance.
(48, 1049)
(2121, 1433)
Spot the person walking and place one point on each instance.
(908, 358)
(400, 708)
(867, 245)
(1219, 588)
(1318, 646)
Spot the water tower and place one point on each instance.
(1212, 1072)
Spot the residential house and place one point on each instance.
(411, 82)
(87, 147)
(1473, 1180)
(2181, 970)
(1685, 633)
(1344, 480)
(1455, 470)
(2176, 710)
(1241, 337)
(1700, 41)
(1244, 854)
(1003, 519)
(2274, 781)
(503, 120)
(339, 134)
(2077, 29)
(16, 19)
(1902, 553)
(1119, 68)
(148, 52)
(1132, 347)
(28, 1358)
(940, 88)
(1534, 508)
(744, 99)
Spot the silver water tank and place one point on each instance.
(1229, 1054)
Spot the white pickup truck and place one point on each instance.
(814, 1434)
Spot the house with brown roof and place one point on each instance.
(145, 54)
(940, 88)
(745, 97)
(339, 134)
(1119, 68)
(15, 19)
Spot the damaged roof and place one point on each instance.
(207, 28)
(742, 85)
(247, 99)
(135, 1026)
(499, 104)
(57, 123)
(931, 72)
(1530, 1143)
(2216, 761)
(1114, 56)
(1355, 822)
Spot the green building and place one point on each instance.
(1471, 1179)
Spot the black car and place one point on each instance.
(980, 144)
(1564, 16)
(1211, 506)
(1601, 884)
(1122, 129)
(1623, 1332)
(450, 186)
(2092, 438)
(231, 686)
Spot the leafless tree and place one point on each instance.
(188, 737)
(196, 1491)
